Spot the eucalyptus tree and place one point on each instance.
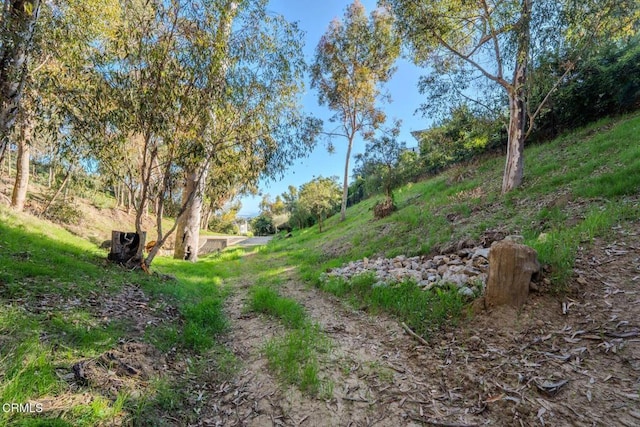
(354, 58)
(251, 124)
(499, 41)
(17, 29)
(206, 86)
(64, 41)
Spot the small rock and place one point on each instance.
(457, 279)
(465, 291)
(470, 271)
(481, 252)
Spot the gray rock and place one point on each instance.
(481, 252)
(457, 279)
(470, 271)
(467, 292)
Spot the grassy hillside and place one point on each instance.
(575, 188)
(64, 309)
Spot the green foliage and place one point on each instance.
(262, 225)
(319, 197)
(604, 83)
(462, 136)
(380, 164)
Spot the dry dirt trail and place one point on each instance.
(572, 359)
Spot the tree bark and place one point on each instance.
(21, 184)
(514, 167)
(188, 237)
(345, 184)
(18, 25)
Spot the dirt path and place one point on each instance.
(572, 360)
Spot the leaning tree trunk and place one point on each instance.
(188, 230)
(21, 184)
(57, 194)
(18, 25)
(514, 167)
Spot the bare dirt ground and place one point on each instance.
(561, 360)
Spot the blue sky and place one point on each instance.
(314, 17)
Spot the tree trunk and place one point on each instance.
(188, 237)
(514, 167)
(21, 184)
(206, 217)
(345, 184)
(18, 25)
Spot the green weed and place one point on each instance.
(266, 300)
(295, 358)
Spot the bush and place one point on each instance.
(262, 225)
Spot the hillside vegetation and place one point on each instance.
(93, 343)
(576, 187)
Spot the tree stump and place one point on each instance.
(511, 266)
(126, 248)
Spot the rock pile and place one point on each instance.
(467, 269)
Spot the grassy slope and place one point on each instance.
(575, 188)
(41, 262)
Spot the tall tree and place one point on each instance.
(17, 29)
(67, 34)
(252, 125)
(19, 193)
(188, 232)
(499, 41)
(353, 59)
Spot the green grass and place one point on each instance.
(294, 357)
(423, 311)
(266, 300)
